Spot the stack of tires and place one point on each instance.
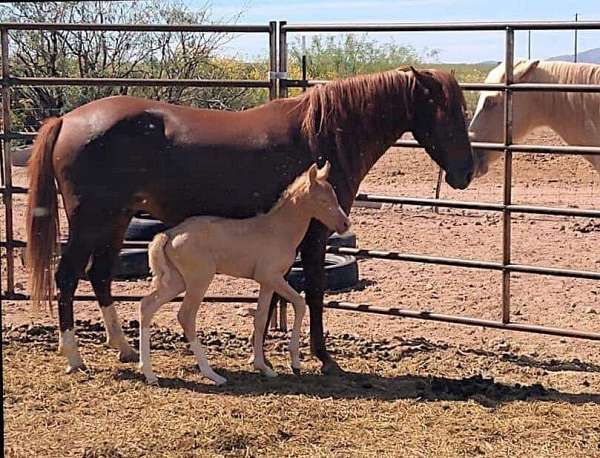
(341, 271)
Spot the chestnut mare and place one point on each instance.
(116, 156)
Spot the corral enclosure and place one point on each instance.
(414, 387)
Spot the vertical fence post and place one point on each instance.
(10, 264)
(272, 60)
(283, 59)
(506, 214)
(575, 40)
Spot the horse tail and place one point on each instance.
(42, 215)
(160, 267)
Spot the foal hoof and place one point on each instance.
(129, 356)
(73, 369)
(152, 382)
(219, 380)
(268, 372)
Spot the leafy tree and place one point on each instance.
(331, 57)
(97, 54)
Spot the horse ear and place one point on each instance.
(312, 173)
(523, 68)
(324, 171)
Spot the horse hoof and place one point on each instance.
(153, 382)
(129, 356)
(332, 368)
(219, 380)
(296, 370)
(268, 372)
(73, 369)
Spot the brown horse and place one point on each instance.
(116, 156)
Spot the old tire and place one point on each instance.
(348, 240)
(341, 272)
(133, 263)
(20, 155)
(143, 228)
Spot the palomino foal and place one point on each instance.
(263, 248)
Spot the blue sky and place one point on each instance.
(453, 47)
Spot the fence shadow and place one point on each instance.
(354, 385)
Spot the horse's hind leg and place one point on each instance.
(100, 276)
(195, 290)
(72, 263)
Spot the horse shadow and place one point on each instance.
(353, 385)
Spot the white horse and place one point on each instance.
(575, 116)
(262, 248)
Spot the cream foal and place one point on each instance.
(263, 248)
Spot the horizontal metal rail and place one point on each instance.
(519, 148)
(368, 308)
(48, 81)
(514, 208)
(515, 148)
(488, 265)
(444, 203)
(454, 319)
(442, 27)
(47, 26)
(517, 87)
(397, 256)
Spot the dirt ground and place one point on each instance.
(414, 388)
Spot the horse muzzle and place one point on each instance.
(460, 180)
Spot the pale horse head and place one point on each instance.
(487, 124)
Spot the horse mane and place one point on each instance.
(573, 73)
(333, 113)
(336, 111)
(549, 71)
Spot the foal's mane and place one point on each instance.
(297, 187)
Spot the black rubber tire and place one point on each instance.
(143, 228)
(341, 272)
(133, 263)
(20, 155)
(348, 240)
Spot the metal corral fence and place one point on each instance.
(278, 84)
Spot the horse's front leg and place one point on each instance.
(313, 258)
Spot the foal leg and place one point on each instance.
(187, 318)
(284, 289)
(148, 307)
(260, 323)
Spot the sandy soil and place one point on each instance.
(568, 367)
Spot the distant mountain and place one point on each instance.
(591, 56)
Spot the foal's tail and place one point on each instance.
(160, 266)
(42, 215)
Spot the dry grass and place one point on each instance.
(403, 400)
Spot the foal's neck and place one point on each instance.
(291, 219)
